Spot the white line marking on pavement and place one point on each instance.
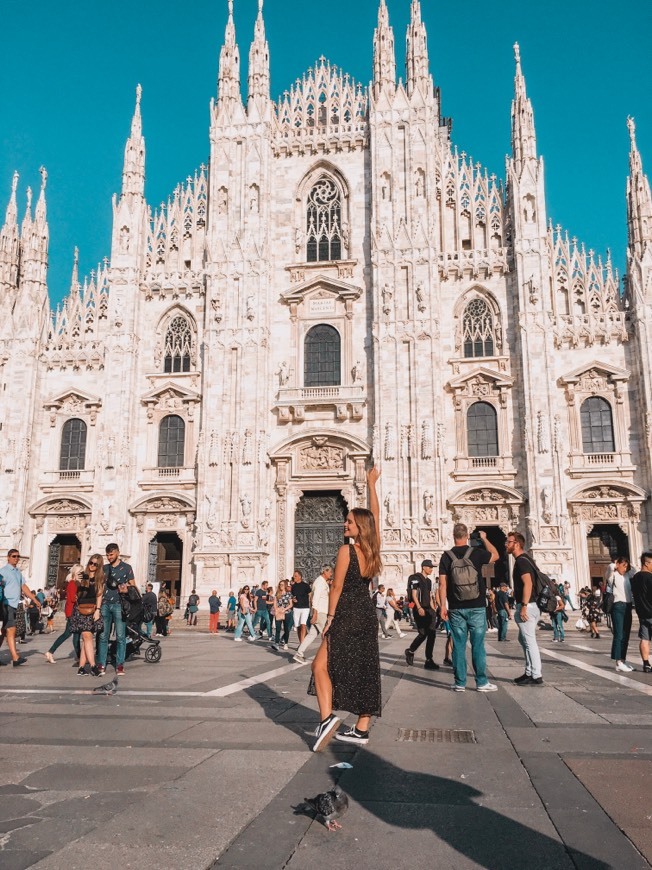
(600, 672)
(252, 681)
(222, 692)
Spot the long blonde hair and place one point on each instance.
(368, 541)
(99, 574)
(279, 591)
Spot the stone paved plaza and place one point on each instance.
(199, 760)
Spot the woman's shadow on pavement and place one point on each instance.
(415, 801)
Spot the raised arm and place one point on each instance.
(372, 477)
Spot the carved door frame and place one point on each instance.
(321, 460)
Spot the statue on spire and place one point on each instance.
(228, 88)
(639, 200)
(133, 173)
(524, 140)
(384, 53)
(259, 82)
(417, 61)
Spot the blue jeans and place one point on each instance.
(471, 621)
(263, 616)
(76, 642)
(503, 621)
(621, 623)
(558, 625)
(148, 628)
(242, 618)
(112, 616)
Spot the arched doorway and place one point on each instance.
(604, 543)
(498, 571)
(63, 553)
(318, 531)
(165, 561)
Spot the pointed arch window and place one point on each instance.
(322, 357)
(324, 227)
(178, 342)
(73, 446)
(482, 430)
(478, 330)
(171, 442)
(597, 426)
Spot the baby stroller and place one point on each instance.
(134, 615)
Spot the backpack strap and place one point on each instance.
(467, 555)
(451, 555)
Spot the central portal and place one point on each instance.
(318, 531)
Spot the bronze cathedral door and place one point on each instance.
(318, 531)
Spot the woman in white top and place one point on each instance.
(391, 609)
(621, 613)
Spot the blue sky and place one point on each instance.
(68, 73)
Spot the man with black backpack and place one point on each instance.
(526, 610)
(463, 594)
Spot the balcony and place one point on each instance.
(77, 480)
(587, 464)
(347, 401)
(161, 476)
(479, 467)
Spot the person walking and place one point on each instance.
(52, 605)
(192, 607)
(462, 596)
(283, 605)
(118, 575)
(214, 604)
(425, 614)
(244, 616)
(301, 605)
(163, 610)
(641, 586)
(231, 604)
(393, 612)
(72, 581)
(346, 669)
(557, 619)
(503, 610)
(319, 610)
(86, 617)
(380, 603)
(150, 609)
(526, 611)
(14, 587)
(262, 613)
(621, 613)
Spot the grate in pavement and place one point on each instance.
(435, 735)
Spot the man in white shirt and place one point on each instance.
(318, 610)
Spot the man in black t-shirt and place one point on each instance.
(262, 613)
(301, 601)
(463, 595)
(642, 595)
(425, 614)
(526, 612)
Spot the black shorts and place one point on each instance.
(8, 615)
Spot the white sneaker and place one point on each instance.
(400, 634)
(299, 657)
(237, 639)
(457, 688)
(324, 731)
(253, 639)
(488, 687)
(623, 666)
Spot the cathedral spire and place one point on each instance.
(639, 199)
(384, 53)
(133, 173)
(229, 75)
(40, 215)
(74, 281)
(9, 242)
(417, 63)
(259, 60)
(524, 140)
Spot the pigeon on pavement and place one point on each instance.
(329, 806)
(107, 689)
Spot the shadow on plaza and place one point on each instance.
(422, 801)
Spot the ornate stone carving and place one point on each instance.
(390, 517)
(543, 445)
(428, 506)
(248, 448)
(214, 450)
(546, 504)
(245, 511)
(427, 445)
(390, 441)
(321, 457)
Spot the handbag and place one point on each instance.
(607, 602)
(87, 608)
(98, 626)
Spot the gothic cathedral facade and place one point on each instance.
(338, 286)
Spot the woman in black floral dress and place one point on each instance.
(346, 669)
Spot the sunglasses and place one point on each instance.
(95, 564)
